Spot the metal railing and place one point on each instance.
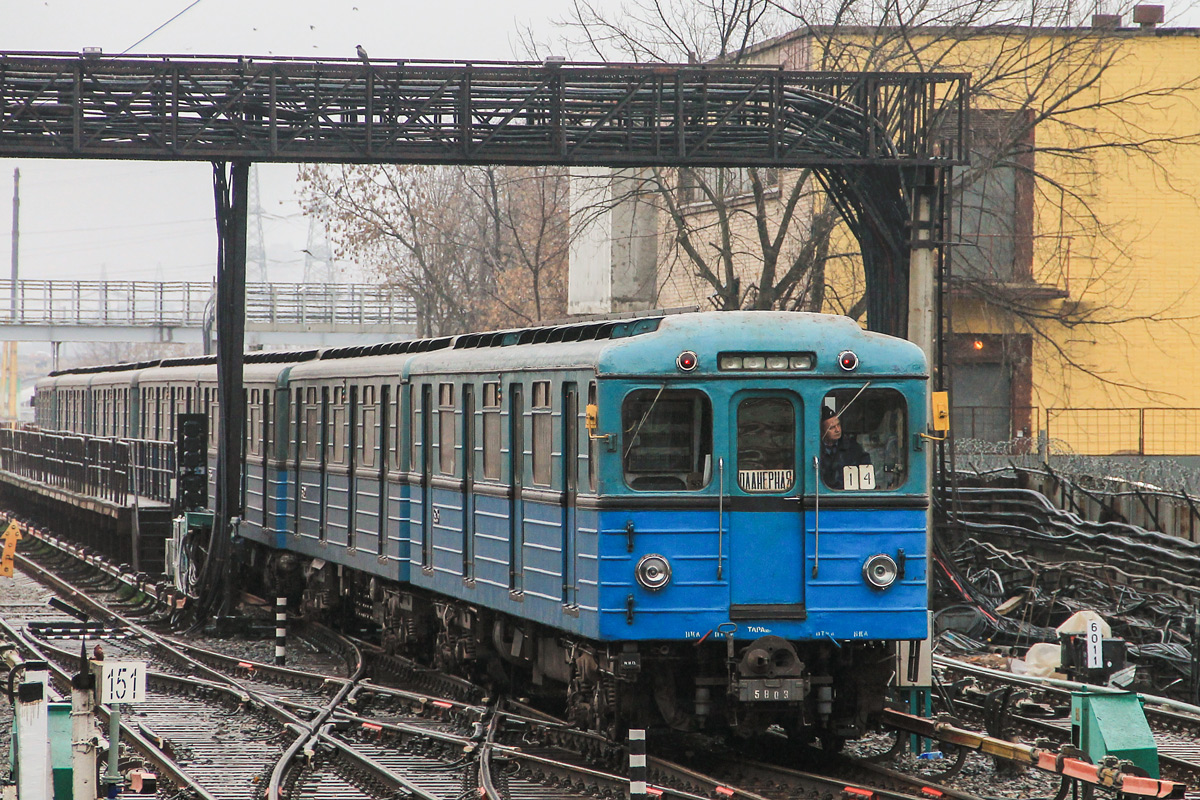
(1126, 431)
(188, 304)
(105, 468)
(994, 423)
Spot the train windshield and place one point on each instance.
(666, 439)
(766, 442)
(863, 435)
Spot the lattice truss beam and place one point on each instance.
(220, 108)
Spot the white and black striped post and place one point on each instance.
(637, 762)
(280, 631)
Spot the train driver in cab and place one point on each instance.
(838, 452)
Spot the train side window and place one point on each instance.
(543, 438)
(312, 423)
(862, 439)
(214, 419)
(446, 428)
(414, 425)
(253, 425)
(266, 423)
(666, 439)
(368, 436)
(338, 423)
(491, 431)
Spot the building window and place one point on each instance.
(993, 200)
(715, 184)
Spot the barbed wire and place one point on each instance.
(1110, 474)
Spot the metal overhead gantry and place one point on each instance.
(284, 109)
(877, 141)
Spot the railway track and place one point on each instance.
(1043, 712)
(239, 728)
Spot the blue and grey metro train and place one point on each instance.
(702, 521)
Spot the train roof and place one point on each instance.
(651, 346)
(646, 345)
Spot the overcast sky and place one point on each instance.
(126, 220)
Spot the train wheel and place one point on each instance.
(831, 742)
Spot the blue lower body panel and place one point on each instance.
(756, 572)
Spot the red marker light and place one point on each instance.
(686, 361)
(847, 360)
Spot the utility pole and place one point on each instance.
(10, 348)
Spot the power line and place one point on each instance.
(195, 221)
(160, 27)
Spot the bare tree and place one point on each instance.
(475, 247)
(97, 353)
(1048, 115)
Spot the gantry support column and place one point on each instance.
(924, 315)
(923, 264)
(218, 582)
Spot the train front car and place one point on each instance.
(762, 519)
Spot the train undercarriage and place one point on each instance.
(825, 691)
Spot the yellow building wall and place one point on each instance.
(1116, 224)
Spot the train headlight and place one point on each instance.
(653, 572)
(880, 571)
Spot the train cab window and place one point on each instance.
(446, 428)
(491, 431)
(666, 439)
(542, 433)
(766, 444)
(863, 434)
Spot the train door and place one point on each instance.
(352, 469)
(323, 485)
(570, 481)
(468, 451)
(516, 472)
(766, 524)
(426, 465)
(384, 442)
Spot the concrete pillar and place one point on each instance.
(613, 256)
(922, 283)
(922, 312)
(34, 768)
(83, 744)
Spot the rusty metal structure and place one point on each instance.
(287, 109)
